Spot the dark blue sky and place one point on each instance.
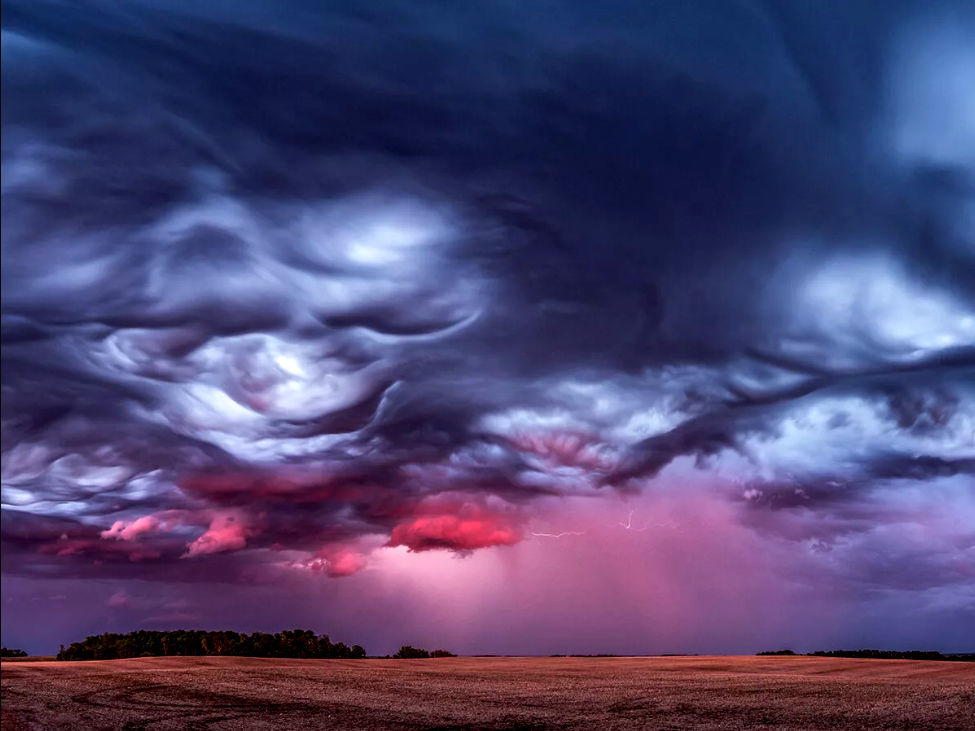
(300, 301)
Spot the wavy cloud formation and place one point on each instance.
(284, 291)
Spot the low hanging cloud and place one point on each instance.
(129, 531)
(456, 525)
(226, 532)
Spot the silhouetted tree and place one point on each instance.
(888, 654)
(6, 652)
(290, 643)
(410, 652)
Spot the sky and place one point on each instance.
(526, 328)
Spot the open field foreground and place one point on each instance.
(604, 693)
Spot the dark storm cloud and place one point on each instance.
(281, 278)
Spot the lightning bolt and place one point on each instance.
(628, 525)
(559, 535)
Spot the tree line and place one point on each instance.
(410, 652)
(7, 652)
(882, 654)
(145, 643)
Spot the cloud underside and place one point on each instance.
(275, 301)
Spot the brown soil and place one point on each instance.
(458, 693)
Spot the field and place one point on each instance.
(603, 693)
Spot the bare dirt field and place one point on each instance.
(459, 693)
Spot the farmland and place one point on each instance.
(509, 692)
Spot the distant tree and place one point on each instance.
(777, 652)
(6, 652)
(410, 652)
(442, 653)
(888, 654)
(290, 643)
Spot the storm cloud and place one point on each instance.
(285, 288)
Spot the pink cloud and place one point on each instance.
(335, 568)
(227, 532)
(566, 448)
(334, 561)
(119, 600)
(344, 563)
(454, 527)
(131, 530)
